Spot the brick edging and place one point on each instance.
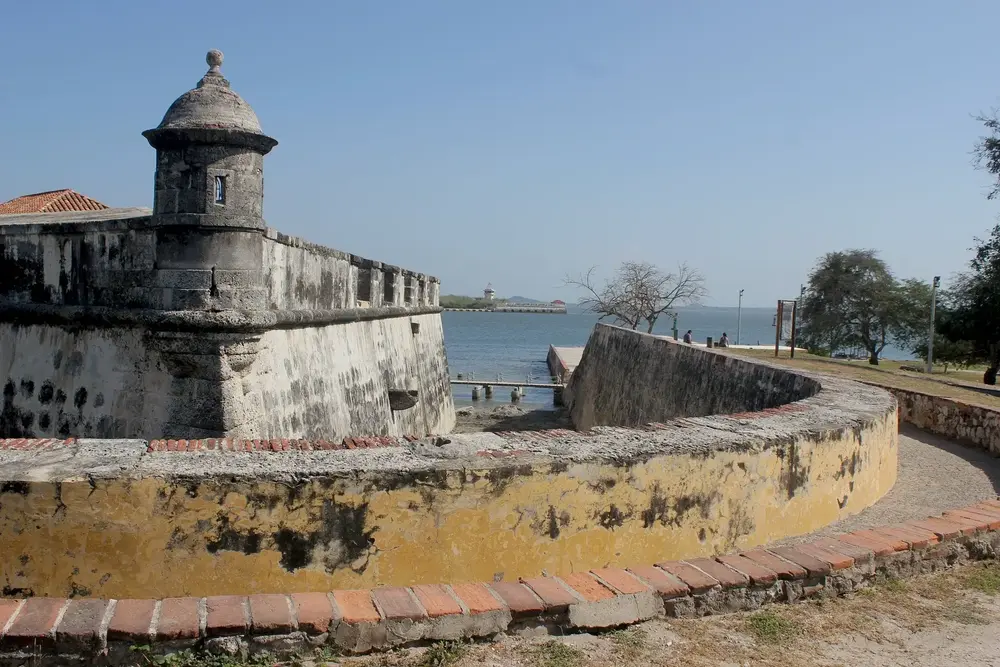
(55, 629)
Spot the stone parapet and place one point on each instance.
(244, 515)
(956, 420)
(118, 258)
(61, 631)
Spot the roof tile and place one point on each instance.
(54, 201)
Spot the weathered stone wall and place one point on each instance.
(301, 275)
(207, 517)
(112, 327)
(950, 418)
(627, 378)
(327, 381)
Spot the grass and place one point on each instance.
(887, 373)
(442, 654)
(771, 628)
(985, 579)
(894, 585)
(191, 658)
(630, 643)
(555, 654)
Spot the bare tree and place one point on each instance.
(639, 291)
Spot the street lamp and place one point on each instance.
(930, 334)
(739, 318)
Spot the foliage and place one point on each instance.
(555, 654)
(442, 654)
(190, 658)
(948, 352)
(771, 628)
(984, 578)
(971, 316)
(987, 150)
(853, 300)
(640, 292)
(471, 302)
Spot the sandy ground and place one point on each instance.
(474, 419)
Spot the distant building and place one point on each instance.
(488, 293)
(53, 201)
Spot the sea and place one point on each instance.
(514, 346)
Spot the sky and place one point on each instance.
(519, 142)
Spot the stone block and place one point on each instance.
(186, 279)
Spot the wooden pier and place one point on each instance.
(494, 383)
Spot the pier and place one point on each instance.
(491, 383)
(514, 308)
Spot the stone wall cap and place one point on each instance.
(75, 216)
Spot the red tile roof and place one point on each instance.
(51, 202)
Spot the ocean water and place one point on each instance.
(515, 345)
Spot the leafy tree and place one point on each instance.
(853, 300)
(640, 291)
(947, 352)
(975, 300)
(972, 312)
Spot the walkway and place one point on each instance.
(934, 475)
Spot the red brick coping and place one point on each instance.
(55, 630)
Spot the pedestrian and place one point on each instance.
(687, 337)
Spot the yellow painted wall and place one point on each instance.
(154, 538)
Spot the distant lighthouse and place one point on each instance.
(488, 293)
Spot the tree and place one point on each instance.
(852, 299)
(639, 291)
(947, 352)
(975, 300)
(972, 307)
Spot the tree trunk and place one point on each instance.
(873, 357)
(990, 376)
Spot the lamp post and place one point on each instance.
(930, 334)
(739, 318)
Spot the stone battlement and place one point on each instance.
(112, 259)
(194, 319)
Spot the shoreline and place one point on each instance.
(509, 417)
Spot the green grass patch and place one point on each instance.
(189, 658)
(555, 654)
(770, 628)
(984, 578)
(894, 585)
(442, 654)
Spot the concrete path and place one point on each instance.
(934, 475)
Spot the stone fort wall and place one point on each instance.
(229, 516)
(625, 378)
(112, 326)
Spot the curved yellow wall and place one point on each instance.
(153, 537)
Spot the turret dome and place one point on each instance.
(211, 105)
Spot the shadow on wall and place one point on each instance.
(627, 378)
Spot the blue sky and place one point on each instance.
(515, 142)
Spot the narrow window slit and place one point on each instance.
(220, 189)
